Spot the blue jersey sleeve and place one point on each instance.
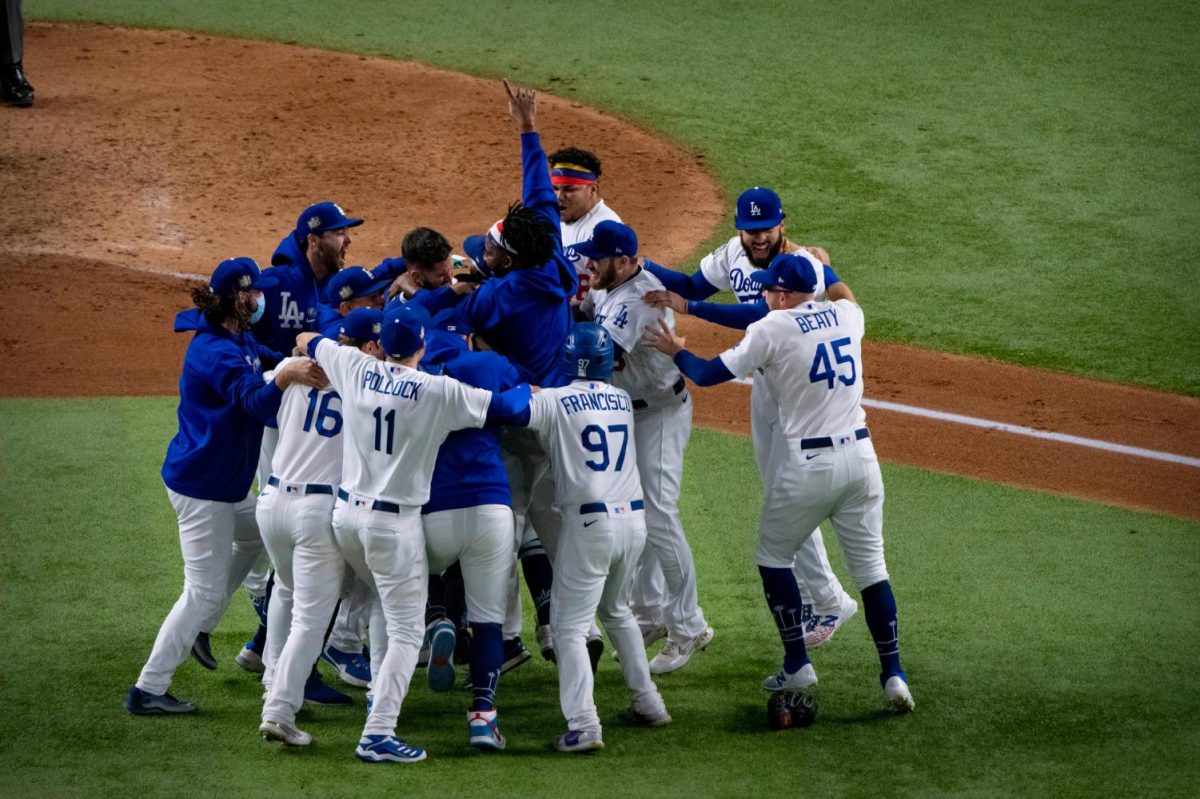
(435, 300)
(830, 276)
(738, 315)
(537, 192)
(693, 287)
(241, 384)
(700, 371)
(508, 405)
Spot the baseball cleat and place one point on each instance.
(287, 734)
(442, 639)
(579, 741)
(515, 654)
(802, 679)
(14, 87)
(352, 668)
(656, 718)
(899, 698)
(674, 656)
(202, 652)
(483, 730)
(595, 649)
(316, 692)
(545, 639)
(140, 703)
(387, 749)
(250, 660)
(826, 624)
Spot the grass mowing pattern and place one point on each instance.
(1016, 181)
(1051, 645)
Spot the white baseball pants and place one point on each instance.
(481, 539)
(841, 483)
(349, 631)
(387, 550)
(297, 529)
(592, 572)
(256, 581)
(219, 541)
(818, 583)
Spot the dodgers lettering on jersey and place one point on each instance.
(310, 434)
(587, 430)
(581, 230)
(728, 268)
(395, 419)
(810, 359)
(644, 372)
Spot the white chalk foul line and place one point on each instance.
(1046, 435)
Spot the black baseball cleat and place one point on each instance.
(202, 652)
(140, 703)
(14, 88)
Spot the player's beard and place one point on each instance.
(763, 263)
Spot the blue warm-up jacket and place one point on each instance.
(293, 304)
(223, 404)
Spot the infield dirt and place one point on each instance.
(152, 155)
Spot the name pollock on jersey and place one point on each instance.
(405, 389)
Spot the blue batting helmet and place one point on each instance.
(588, 353)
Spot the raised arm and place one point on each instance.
(536, 191)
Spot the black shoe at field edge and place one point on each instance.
(14, 88)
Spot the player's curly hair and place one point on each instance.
(217, 308)
(423, 247)
(530, 237)
(573, 155)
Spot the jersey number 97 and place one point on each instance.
(594, 439)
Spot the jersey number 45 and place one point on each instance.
(823, 371)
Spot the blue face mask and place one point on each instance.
(259, 311)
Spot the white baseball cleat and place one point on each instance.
(803, 679)
(830, 623)
(579, 741)
(288, 734)
(250, 660)
(655, 717)
(674, 655)
(899, 698)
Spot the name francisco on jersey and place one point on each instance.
(595, 401)
(405, 389)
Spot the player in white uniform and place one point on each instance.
(761, 237)
(395, 419)
(295, 516)
(575, 175)
(586, 428)
(824, 466)
(663, 412)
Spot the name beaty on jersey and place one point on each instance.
(818, 320)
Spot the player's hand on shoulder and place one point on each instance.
(405, 284)
(304, 371)
(522, 106)
(663, 338)
(534, 389)
(818, 253)
(463, 287)
(661, 298)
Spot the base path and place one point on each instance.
(152, 154)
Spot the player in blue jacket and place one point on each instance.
(223, 404)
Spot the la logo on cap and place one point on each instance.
(314, 222)
(346, 292)
(755, 210)
(244, 281)
(375, 328)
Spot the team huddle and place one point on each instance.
(425, 431)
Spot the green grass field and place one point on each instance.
(1051, 645)
(1017, 180)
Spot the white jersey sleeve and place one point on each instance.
(647, 374)
(752, 352)
(715, 266)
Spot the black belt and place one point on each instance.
(827, 441)
(309, 488)
(600, 507)
(378, 504)
(678, 388)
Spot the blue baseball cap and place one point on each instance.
(447, 320)
(403, 331)
(791, 271)
(609, 239)
(322, 217)
(238, 274)
(475, 249)
(351, 283)
(362, 324)
(757, 209)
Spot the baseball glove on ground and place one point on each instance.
(787, 709)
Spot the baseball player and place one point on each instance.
(809, 354)
(223, 403)
(469, 520)
(761, 236)
(588, 429)
(662, 410)
(395, 418)
(14, 87)
(575, 175)
(348, 289)
(295, 515)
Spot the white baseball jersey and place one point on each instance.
(728, 268)
(395, 420)
(810, 358)
(644, 372)
(310, 434)
(581, 230)
(587, 429)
